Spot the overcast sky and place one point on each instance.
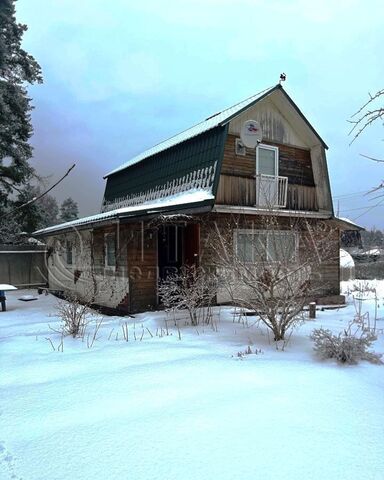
(122, 75)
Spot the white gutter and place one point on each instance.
(263, 211)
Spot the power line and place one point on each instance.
(370, 208)
(354, 209)
(353, 194)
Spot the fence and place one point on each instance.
(23, 266)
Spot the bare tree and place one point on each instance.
(368, 114)
(371, 112)
(270, 269)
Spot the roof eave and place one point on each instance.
(303, 117)
(344, 224)
(193, 207)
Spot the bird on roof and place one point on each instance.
(283, 77)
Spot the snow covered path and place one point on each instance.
(164, 408)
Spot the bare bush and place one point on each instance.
(345, 347)
(272, 269)
(74, 316)
(192, 289)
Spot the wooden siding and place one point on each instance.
(295, 163)
(278, 124)
(136, 265)
(239, 190)
(326, 277)
(237, 185)
(300, 197)
(132, 285)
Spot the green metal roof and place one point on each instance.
(192, 164)
(219, 119)
(213, 121)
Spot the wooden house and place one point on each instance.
(158, 206)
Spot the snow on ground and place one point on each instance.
(190, 408)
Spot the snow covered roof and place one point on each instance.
(349, 224)
(219, 119)
(186, 198)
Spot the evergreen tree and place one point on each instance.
(69, 210)
(50, 209)
(10, 231)
(17, 68)
(39, 214)
(30, 216)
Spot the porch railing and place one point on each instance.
(271, 191)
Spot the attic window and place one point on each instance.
(240, 148)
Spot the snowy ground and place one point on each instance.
(167, 408)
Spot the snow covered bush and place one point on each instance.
(73, 314)
(192, 289)
(345, 347)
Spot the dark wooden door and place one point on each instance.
(192, 245)
(170, 250)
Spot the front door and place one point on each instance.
(170, 250)
(192, 245)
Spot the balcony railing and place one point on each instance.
(271, 191)
(237, 190)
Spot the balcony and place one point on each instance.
(241, 191)
(271, 191)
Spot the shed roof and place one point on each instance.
(347, 224)
(216, 120)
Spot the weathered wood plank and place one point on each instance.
(241, 190)
(294, 162)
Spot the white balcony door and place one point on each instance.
(267, 171)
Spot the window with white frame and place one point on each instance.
(110, 249)
(69, 253)
(254, 246)
(267, 160)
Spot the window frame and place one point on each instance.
(69, 247)
(267, 233)
(267, 147)
(106, 256)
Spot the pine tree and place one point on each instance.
(50, 208)
(17, 68)
(39, 214)
(69, 210)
